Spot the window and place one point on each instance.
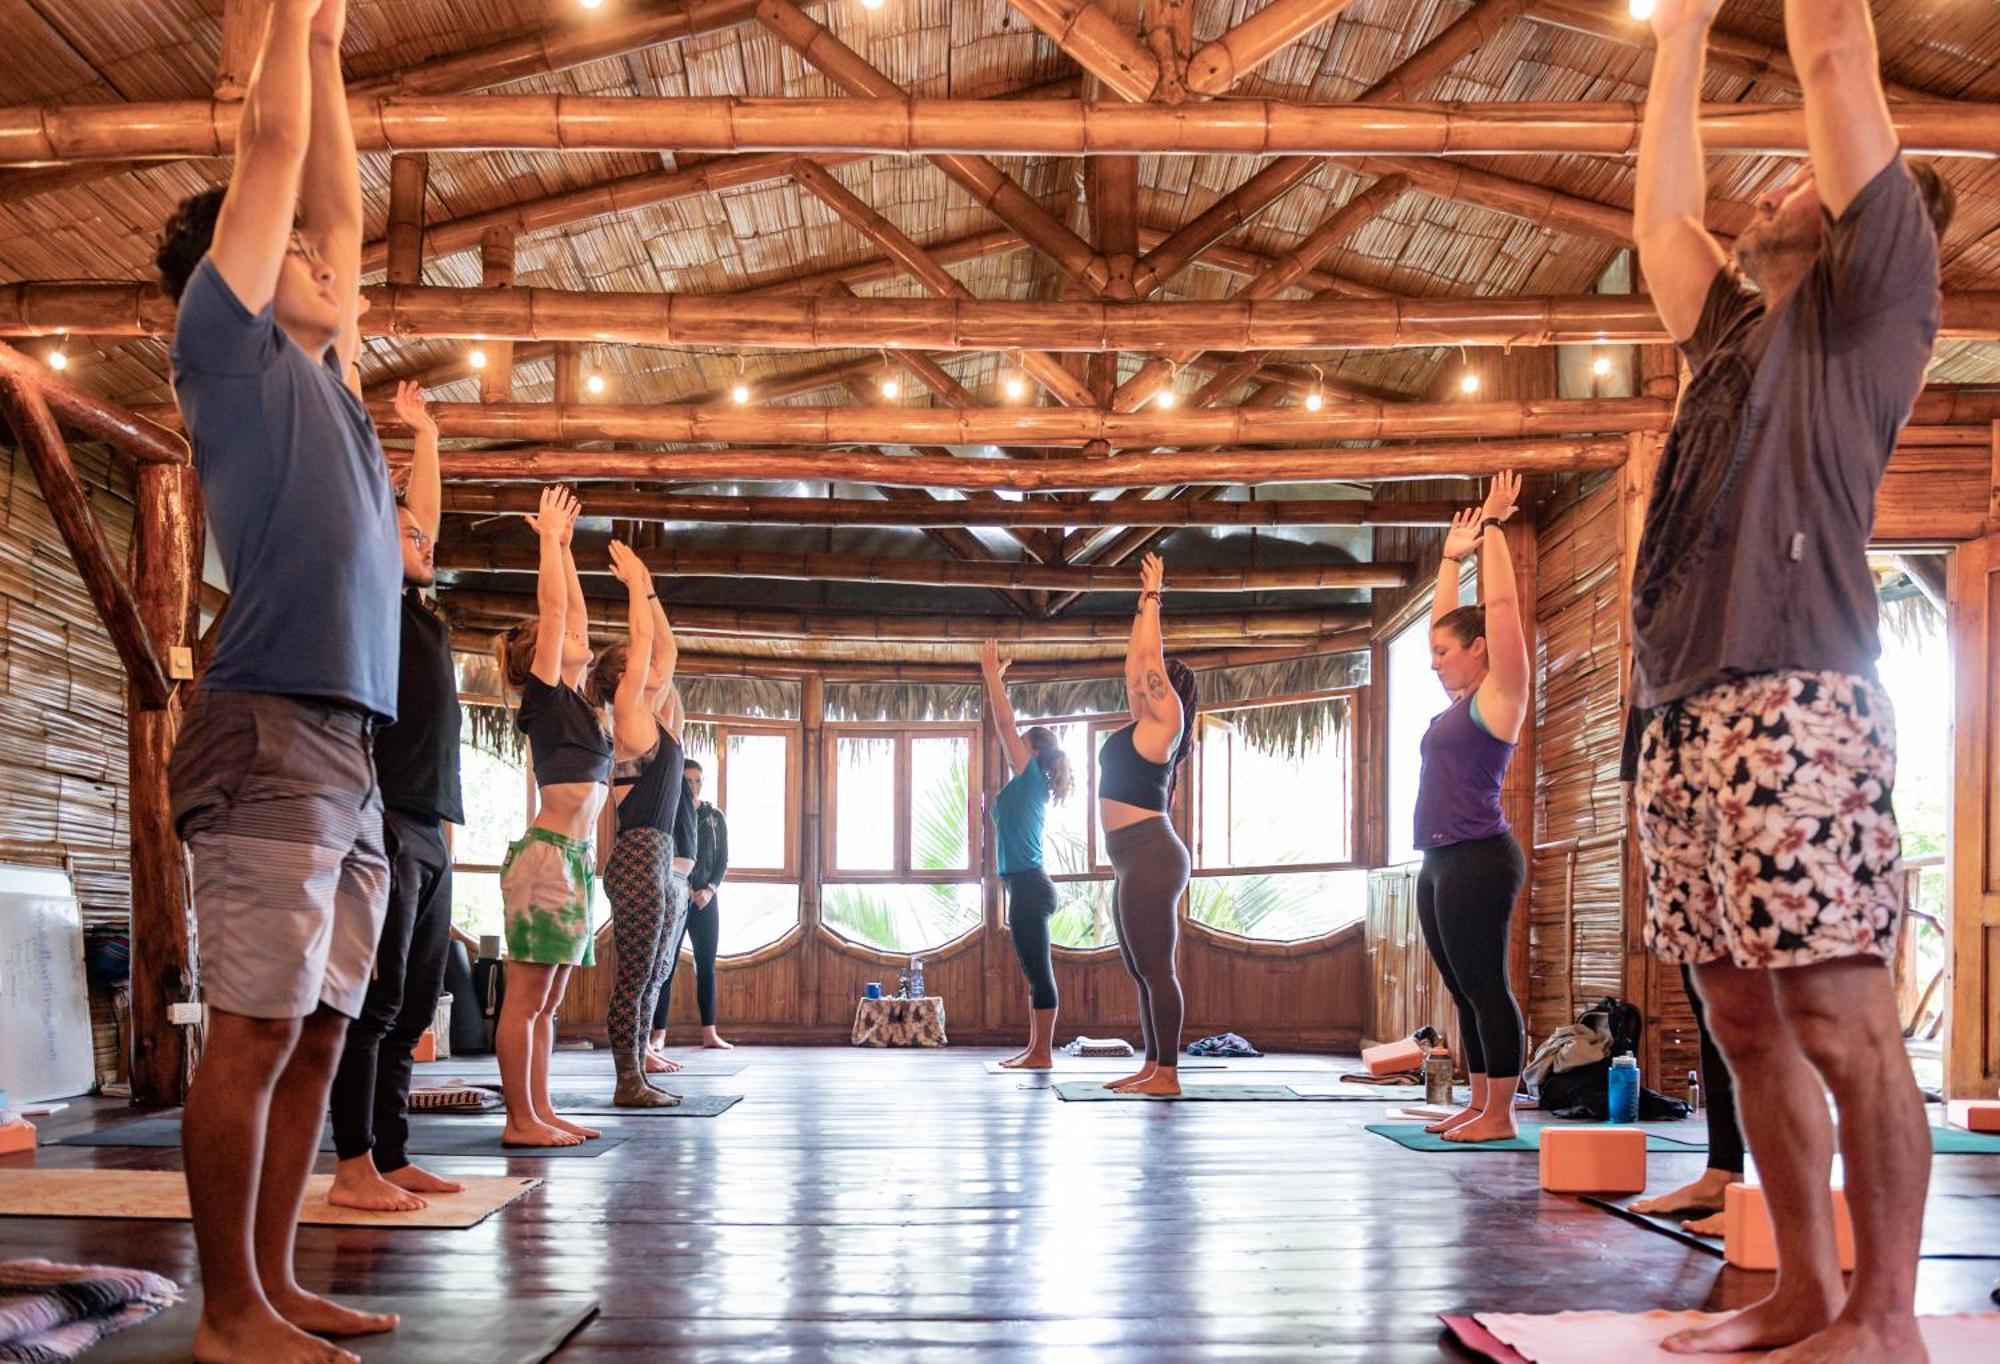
(902, 873)
(495, 790)
(1073, 845)
(750, 774)
(1415, 698)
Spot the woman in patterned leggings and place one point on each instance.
(646, 783)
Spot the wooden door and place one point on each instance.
(1972, 1030)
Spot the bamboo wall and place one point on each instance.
(1406, 991)
(63, 727)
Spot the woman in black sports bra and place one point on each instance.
(1136, 770)
(648, 902)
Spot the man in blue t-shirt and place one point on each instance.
(273, 774)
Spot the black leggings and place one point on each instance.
(1465, 896)
(704, 930)
(1152, 867)
(1031, 899)
(1718, 1091)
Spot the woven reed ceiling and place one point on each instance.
(102, 51)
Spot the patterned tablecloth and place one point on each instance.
(899, 1022)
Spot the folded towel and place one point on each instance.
(1098, 1046)
(51, 1313)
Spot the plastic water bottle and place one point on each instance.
(916, 975)
(1622, 1089)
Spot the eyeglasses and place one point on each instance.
(419, 538)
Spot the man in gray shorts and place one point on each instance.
(1763, 746)
(273, 775)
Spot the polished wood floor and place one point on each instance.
(909, 1205)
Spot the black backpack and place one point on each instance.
(1581, 1092)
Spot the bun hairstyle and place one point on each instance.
(514, 652)
(1181, 677)
(1055, 763)
(1467, 624)
(606, 674)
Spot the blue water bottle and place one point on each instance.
(1622, 1089)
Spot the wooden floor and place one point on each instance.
(909, 1205)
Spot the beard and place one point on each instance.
(421, 576)
(1775, 242)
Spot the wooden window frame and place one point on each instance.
(902, 809)
(726, 726)
(1353, 696)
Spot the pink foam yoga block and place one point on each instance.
(1392, 1058)
(1593, 1159)
(1750, 1242)
(1974, 1115)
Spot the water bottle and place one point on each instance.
(1694, 1093)
(903, 986)
(7, 1114)
(916, 975)
(1622, 1089)
(1437, 1077)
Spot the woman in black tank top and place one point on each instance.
(1137, 766)
(638, 683)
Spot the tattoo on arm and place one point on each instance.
(1156, 685)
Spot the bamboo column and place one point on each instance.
(568, 374)
(1256, 40)
(1169, 36)
(409, 178)
(496, 271)
(992, 188)
(166, 557)
(1097, 42)
(98, 418)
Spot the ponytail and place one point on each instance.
(1055, 762)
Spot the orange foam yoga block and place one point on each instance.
(1392, 1058)
(1974, 1115)
(427, 1047)
(1593, 1160)
(17, 1136)
(1748, 1239)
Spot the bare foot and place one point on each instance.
(1763, 1325)
(1458, 1119)
(1164, 1083)
(264, 1339)
(562, 1124)
(536, 1134)
(1485, 1127)
(357, 1184)
(1130, 1080)
(1030, 1060)
(1705, 1195)
(419, 1180)
(1712, 1225)
(1852, 1342)
(311, 1312)
(657, 1064)
(711, 1039)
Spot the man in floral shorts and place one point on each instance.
(1763, 747)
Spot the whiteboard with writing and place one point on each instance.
(45, 1043)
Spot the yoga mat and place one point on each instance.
(434, 1329)
(431, 1134)
(1413, 1136)
(1097, 1065)
(690, 1106)
(1952, 1141)
(1956, 1226)
(162, 1195)
(1090, 1091)
(1633, 1337)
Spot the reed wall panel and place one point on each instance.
(1406, 991)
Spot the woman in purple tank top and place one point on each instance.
(1473, 869)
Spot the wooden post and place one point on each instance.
(167, 557)
(568, 372)
(496, 271)
(812, 799)
(409, 179)
(1169, 37)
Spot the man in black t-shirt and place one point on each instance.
(416, 762)
(1765, 750)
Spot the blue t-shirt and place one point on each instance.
(1017, 818)
(298, 502)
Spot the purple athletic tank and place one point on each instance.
(1458, 791)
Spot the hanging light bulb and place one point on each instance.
(477, 359)
(595, 383)
(1468, 383)
(740, 394)
(1315, 400)
(1016, 390)
(590, 4)
(1642, 10)
(58, 360)
(1601, 366)
(871, 4)
(1167, 397)
(891, 389)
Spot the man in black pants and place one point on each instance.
(416, 763)
(704, 920)
(1702, 1200)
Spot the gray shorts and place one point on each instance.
(276, 799)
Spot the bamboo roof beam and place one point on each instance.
(1097, 42)
(438, 373)
(1169, 36)
(918, 512)
(903, 570)
(990, 187)
(97, 418)
(822, 185)
(1235, 54)
(1337, 227)
(834, 667)
(1220, 627)
(25, 410)
(1470, 31)
(961, 133)
(1217, 466)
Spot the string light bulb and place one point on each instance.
(1601, 366)
(1642, 10)
(891, 389)
(871, 4)
(740, 394)
(1468, 383)
(1167, 397)
(58, 360)
(590, 4)
(595, 383)
(1315, 400)
(1016, 390)
(477, 359)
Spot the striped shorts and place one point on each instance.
(277, 801)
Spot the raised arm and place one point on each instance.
(993, 671)
(1848, 128)
(666, 649)
(1459, 542)
(672, 712)
(576, 617)
(1503, 696)
(552, 524)
(631, 717)
(253, 230)
(1156, 709)
(1680, 257)
(330, 192)
(424, 496)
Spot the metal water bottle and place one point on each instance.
(916, 975)
(1438, 1076)
(1695, 1095)
(1622, 1089)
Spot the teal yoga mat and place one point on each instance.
(1092, 1091)
(1951, 1141)
(1413, 1136)
(428, 1137)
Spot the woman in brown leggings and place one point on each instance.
(1135, 786)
